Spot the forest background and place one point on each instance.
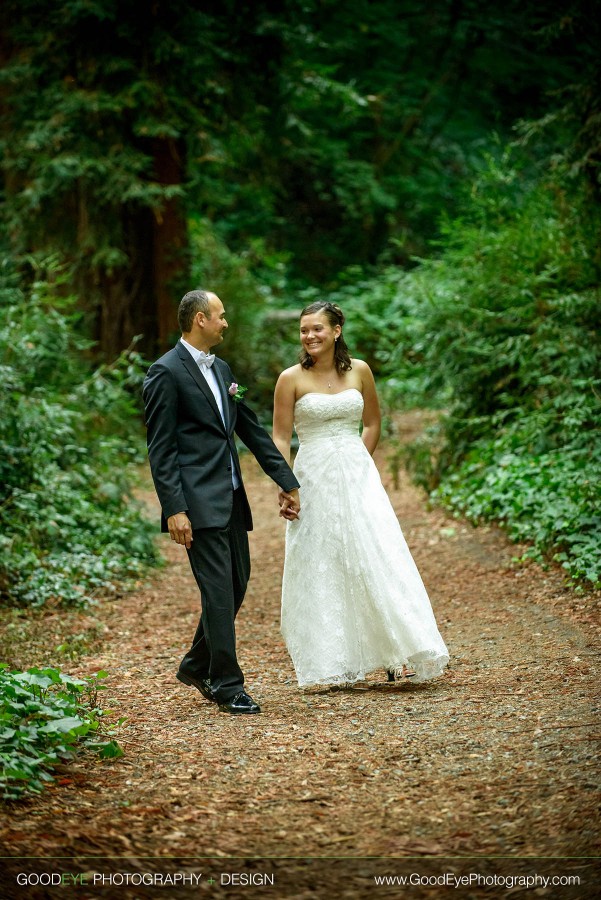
(433, 168)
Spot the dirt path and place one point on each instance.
(498, 759)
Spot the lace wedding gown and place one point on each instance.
(352, 598)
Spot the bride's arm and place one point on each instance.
(372, 420)
(283, 413)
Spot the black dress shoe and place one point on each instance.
(240, 705)
(203, 685)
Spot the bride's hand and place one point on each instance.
(289, 504)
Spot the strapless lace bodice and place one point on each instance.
(328, 416)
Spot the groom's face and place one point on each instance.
(215, 323)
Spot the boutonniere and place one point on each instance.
(236, 391)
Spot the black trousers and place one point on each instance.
(220, 561)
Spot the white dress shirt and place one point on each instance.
(211, 380)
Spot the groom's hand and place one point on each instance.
(180, 529)
(289, 504)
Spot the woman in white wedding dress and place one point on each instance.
(352, 598)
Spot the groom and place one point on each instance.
(192, 413)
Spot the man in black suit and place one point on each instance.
(192, 414)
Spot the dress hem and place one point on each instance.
(422, 674)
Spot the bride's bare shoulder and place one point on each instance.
(291, 374)
(288, 380)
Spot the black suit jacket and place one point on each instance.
(191, 450)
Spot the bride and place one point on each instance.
(352, 598)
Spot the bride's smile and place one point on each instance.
(317, 335)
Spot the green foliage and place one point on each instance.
(91, 89)
(100, 103)
(367, 120)
(277, 348)
(328, 132)
(511, 324)
(228, 274)
(262, 337)
(576, 112)
(549, 500)
(45, 718)
(69, 437)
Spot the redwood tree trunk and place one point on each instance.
(170, 240)
(143, 299)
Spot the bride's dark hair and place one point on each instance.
(335, 316)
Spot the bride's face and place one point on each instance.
(317, 336)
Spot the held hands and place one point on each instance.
(180, 529)
(289, 504)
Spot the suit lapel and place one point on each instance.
(224, 395)
(200, 380)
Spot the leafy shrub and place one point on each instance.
(217, 268)
(68, 439)
(45, 718)
(511, 325)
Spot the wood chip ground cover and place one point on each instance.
(497, 759)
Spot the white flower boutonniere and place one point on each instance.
(236, 391)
